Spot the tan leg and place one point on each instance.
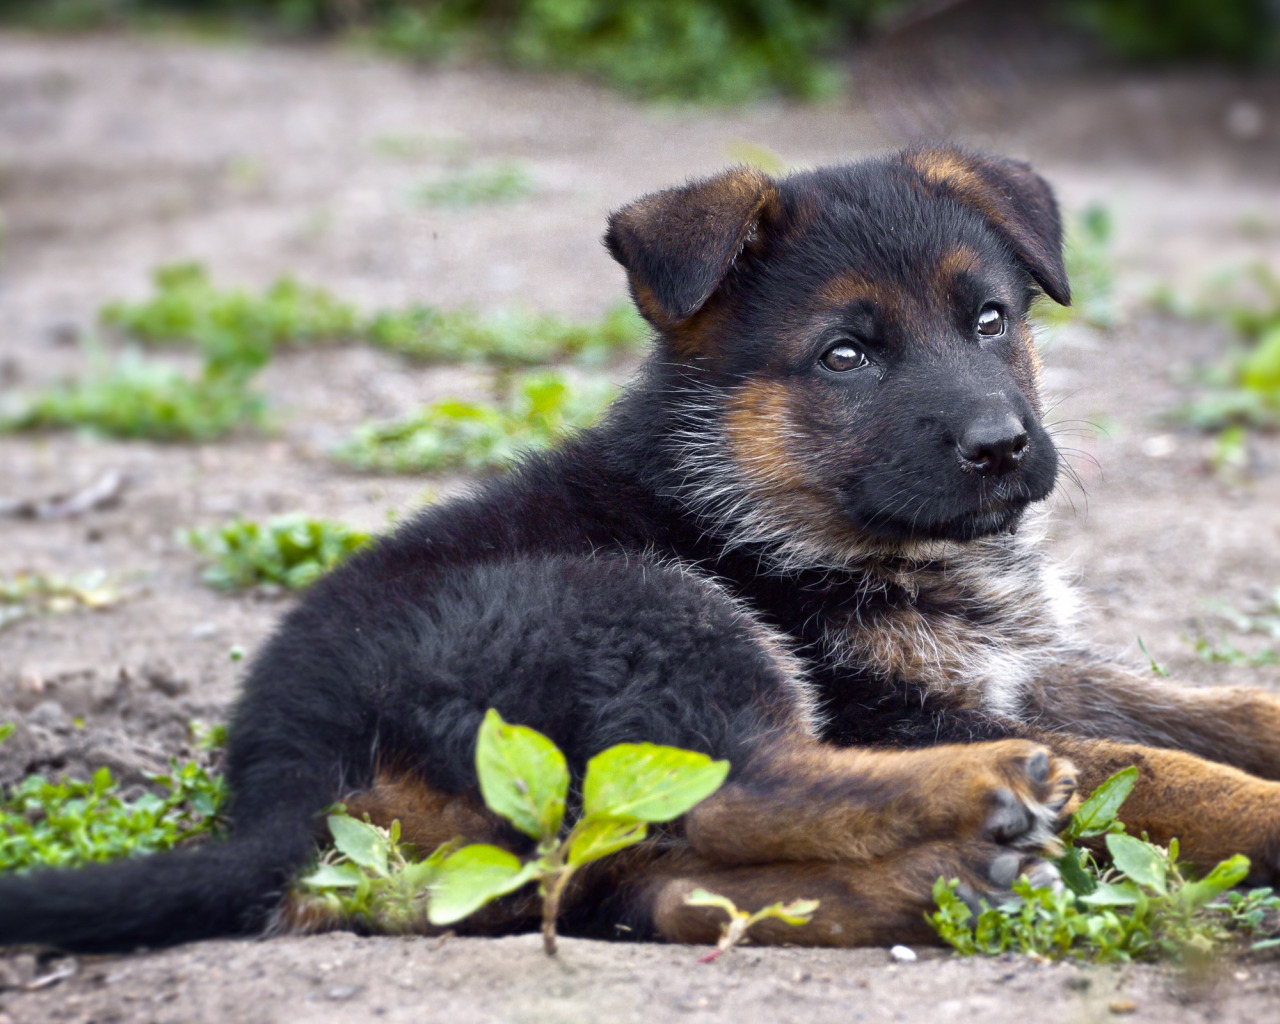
(1214, 810)
(805, 801)
(1233, 725)
(870, 904)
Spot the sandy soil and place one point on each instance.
(119, 154)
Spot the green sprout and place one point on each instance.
(735, 929)
(524, 778)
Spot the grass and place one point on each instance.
(476, 436)
(69, 822)
(289, 551)
(500, 184)
(136, 398)
(28, 594)
(234, 328)
(1261, 620)
(1241, 391)
(1135, 902)
(506, 338)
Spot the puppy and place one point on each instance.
(793, 543)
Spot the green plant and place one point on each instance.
(288, 551)
(233, 328)
(462, 435)
(504, 182)
(25, 594)
(1242, 31)
(1261, 620)
(1241, 390)
(505, 338)
(239, 331)
(735, 929)
(134, 398)
(1144, 905)
(524, 778)
(45, 823)
(1090, 268)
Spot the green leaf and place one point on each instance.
(593, 838)
(334, 876)
(647, 782)
(523, 776)
(703, 898)
(472, 877)
(795, 913)
(1074, 876)
(1096, 815)
(360, 842)
(1107, 894)
(1140, 861)
(1227, 875)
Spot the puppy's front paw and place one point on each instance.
(1030, 798)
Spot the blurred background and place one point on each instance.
(274, 273)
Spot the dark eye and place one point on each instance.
(991, 322)
(843, 356)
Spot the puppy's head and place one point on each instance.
(848, 349)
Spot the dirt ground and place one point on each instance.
(119, 154)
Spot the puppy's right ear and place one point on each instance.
(677, 245)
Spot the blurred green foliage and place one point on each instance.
(1239, 31)
(462, 435)
(239, 331)
(692, 50)
(290, 551)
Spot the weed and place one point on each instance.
(1091, 271)
(1156, 668)
(70, 822)
(27, 594)
(458, 435)
(508, 338)
(735, 930)
(1241, 390)
(239, 331)
(134, 398)
(1261, 620)
(502, 183)
(524, 778)
(232, 327)
(1143, 906)
(288, 551)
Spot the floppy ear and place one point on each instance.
(678, 244)
(1016, 201)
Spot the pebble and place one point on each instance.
(1122, 1006)
(903, 954)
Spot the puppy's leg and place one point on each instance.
(800, 800)
(1233, 725)
(1213, 810)
(876, 903)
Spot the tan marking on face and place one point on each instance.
(846, 289)
(698, 337)
(959, 259)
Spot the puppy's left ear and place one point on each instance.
(679, 244)
(1016, 201)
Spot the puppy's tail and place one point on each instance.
(227, 888)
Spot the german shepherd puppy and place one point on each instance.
(793, 543)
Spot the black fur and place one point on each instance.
(572, 593)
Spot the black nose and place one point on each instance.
(993, 444)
